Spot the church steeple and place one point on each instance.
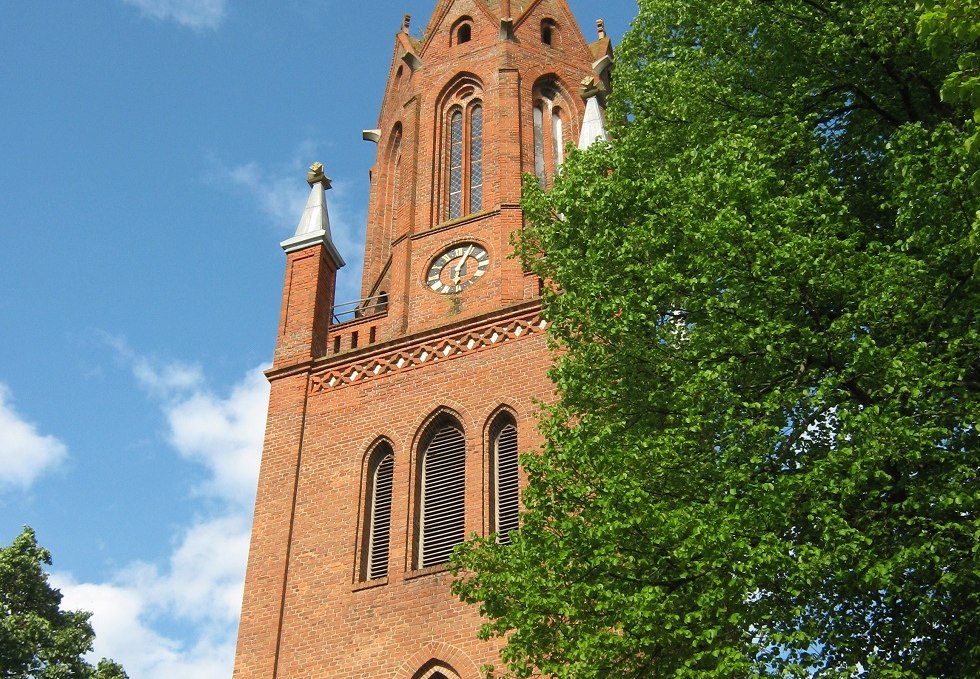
(489, 92)
(394, 430)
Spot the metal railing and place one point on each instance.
(359, 308)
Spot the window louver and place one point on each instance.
(506, 510)
(380, 538)
(442, 497)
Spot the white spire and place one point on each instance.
(314, 224)
(593, 127)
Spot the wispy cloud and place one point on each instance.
(180, 618)
(280, 192)
(196, 14)
(25, 453)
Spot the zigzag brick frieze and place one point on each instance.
(427, 353)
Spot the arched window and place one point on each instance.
(441, 491)
(381, 467)
(557, 139)
(391, 190)
(463, 176)
(539, 143)
(435, 670)
(548, 121)
(549, 32)
(476, 158)
(456, 164)
(462, 30)
(504, 469)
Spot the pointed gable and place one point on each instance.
(534, 15)
(446, 19)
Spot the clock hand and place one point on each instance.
(459, 267)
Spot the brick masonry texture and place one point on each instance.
(307, 613)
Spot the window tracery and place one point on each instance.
(462, 175)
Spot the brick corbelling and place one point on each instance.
(431, 350)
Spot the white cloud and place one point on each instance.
(25, 453)
(225, 435)
(197, 14)
(180, 619)
(281, 192)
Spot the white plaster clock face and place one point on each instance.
(457, 268)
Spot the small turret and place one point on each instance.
(312, 261)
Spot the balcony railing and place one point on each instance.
(359, 308)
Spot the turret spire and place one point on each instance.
(593, 127)
(314, 224)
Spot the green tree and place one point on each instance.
(37, 639)
(764, 455)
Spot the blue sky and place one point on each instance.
(153, 156)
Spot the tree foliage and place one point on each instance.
(764, 456)
(37, 639)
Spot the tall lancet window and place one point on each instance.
(504, 467)
(461, 182)
(476, 158)
(456, 164)
(381, 467)
(557, 139)
(442, 493)
(539, 143)
(391, 192)
(549, 121)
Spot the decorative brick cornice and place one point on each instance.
(429, 352)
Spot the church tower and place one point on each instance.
(395, 421)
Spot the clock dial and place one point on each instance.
(457, 268)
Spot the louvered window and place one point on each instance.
(505, 483)
(379, 537)
(456, 165)
(442, 493)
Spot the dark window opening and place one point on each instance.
(548, 32)
(336, 344)
(353, 340)
(464, 34)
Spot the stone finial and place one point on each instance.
(591, 87)
(505, 9)
(601, 25)
(314, 224)
(406, 23)
(315, 176)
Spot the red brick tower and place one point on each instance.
(393, 435)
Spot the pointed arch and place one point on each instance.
(551, 126)
(462, 30)
(440, 510)
(439, 656)
(379, 465)
(392, 181)
(502, 458)
(460, 136)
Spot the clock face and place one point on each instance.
(457, 268)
